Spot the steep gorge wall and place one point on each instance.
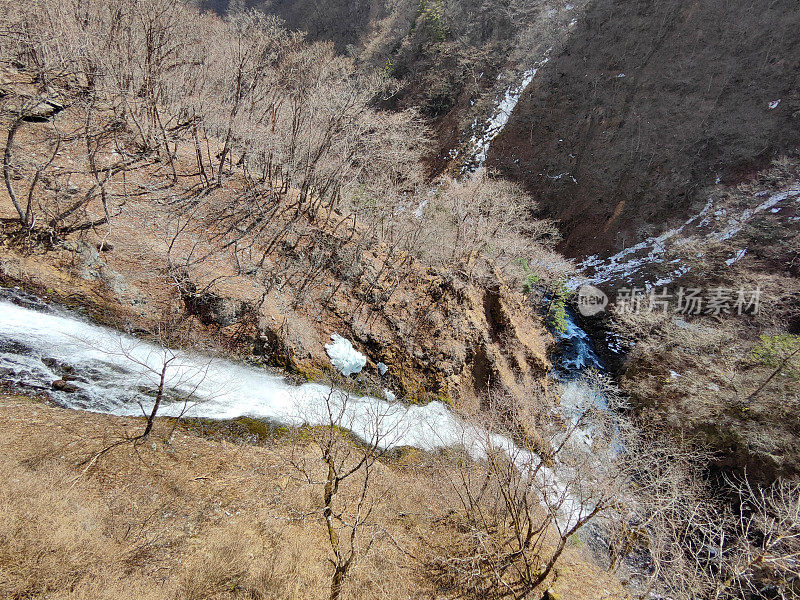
(649, 101)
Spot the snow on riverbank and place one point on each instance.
(711, 223)
(344, 358)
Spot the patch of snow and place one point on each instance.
(734, 225)
(389, 395)
(713, 223)
(497, 122)
(382, 368)
(344, 358)
(736, 257)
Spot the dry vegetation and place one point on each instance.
(232, 165)
(730, 381)
(248, 511)
(193, 518)
(159, 160)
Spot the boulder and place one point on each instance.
(42, 111)
(212, 309)
(61, 385)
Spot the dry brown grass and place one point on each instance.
(194, 518)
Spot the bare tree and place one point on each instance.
(763, 558)
(530, 478)
(153, 372)
(339, 454)
(668, 519)
(736, 542)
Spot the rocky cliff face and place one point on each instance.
(649, 101)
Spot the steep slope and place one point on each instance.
(344, 23)
(648, 102)
(187, 517)
(442, 336)
(451, 59)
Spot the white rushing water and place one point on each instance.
(116, 374)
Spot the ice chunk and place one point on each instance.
(382, 369)
(344, 358)
(774, 104)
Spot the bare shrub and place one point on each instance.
(742, 542)
(529, 478)
(343, 469)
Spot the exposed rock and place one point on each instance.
(61, 385)
(93, 266)
(213, 309)
(281, 346)
(42, 111)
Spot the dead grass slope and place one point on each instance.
(195, 518)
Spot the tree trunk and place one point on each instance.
(152, 417)
(7, 171)
(337, 581)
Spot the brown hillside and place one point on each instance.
(649, 101)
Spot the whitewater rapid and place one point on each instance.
(117, 373)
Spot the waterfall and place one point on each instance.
(114, 373)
